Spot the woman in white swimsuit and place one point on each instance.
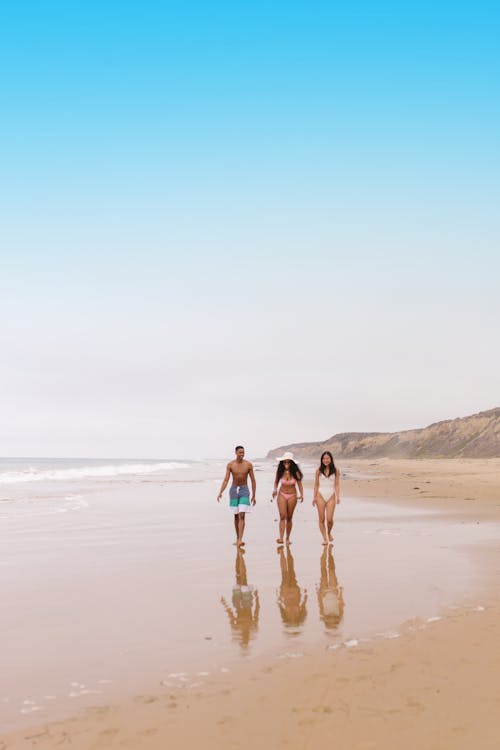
(326, 494)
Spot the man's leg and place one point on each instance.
(236, 525)
(241, 527)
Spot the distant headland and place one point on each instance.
(475, 436)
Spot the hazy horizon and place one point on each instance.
(205, 457)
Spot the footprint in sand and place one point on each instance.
(100, 710)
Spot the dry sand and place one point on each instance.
(463, 486)
(435, 686)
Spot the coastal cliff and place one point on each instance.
(475, 436)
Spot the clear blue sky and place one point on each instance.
(256, 222)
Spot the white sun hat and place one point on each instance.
(288, 456)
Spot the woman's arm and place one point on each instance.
(299, 485)
(337, 485)
(316, 486)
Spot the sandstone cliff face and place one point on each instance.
(477, 436)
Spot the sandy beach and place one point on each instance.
(231, 232)
(381, 677)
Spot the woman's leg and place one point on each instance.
(283, 514)
(321, 506)
(330, 510)
(291, 503)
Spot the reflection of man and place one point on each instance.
(330, 595)
(239, 494)
(291, 599)
(244, 614)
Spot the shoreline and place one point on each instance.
(408, 690)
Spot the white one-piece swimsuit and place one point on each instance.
(327, 486)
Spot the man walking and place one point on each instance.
(239, 494)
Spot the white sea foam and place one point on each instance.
(32, 474)
(29, 706)
(85, 691)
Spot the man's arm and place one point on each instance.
(254, 484)
(224, 483)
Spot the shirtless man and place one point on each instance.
(239, 494)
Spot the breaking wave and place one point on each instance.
(34, 474)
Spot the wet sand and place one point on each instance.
(434, 688)
(399, 681)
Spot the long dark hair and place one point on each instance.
(295, 472)
(332, 467)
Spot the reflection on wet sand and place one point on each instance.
(244, 614)
(330, 594)
(292, 600)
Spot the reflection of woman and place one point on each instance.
(288, 479)
(330, 594)
(291, 599)
(244, 614)
(326, 494)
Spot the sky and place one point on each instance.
(254, 223)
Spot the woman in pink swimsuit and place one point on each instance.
(288, 481)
